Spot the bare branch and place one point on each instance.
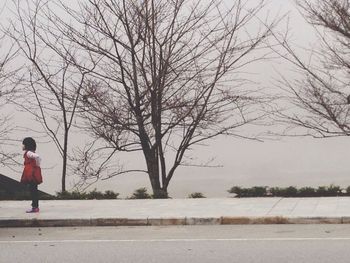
(168, 74)
(320, 97)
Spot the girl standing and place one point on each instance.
(32, 172)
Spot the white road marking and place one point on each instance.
(173, 240)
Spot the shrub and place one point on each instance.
(63, 195)
(236, 190)
(141, 193)
(196, 195)
(275, 191)
(307, 192)
(110, 195)
(331, 190)
(290, 191)
(94, 194)
(239, 191)
(322, 191)
(335, 190)
(75, 195)
(256, 191)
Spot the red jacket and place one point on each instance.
(31, 171)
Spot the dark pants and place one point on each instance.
(33, 187)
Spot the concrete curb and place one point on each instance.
(281, 220)
(171, 221)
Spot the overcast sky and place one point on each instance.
(284, 162)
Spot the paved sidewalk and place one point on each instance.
(331, 210)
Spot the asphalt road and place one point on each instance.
(195, 244)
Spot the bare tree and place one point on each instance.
(50, 82)
(320, 98)
(7, 91)
(169, 75)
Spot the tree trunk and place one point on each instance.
(64, 165)
(159, 192)
(64, 168)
